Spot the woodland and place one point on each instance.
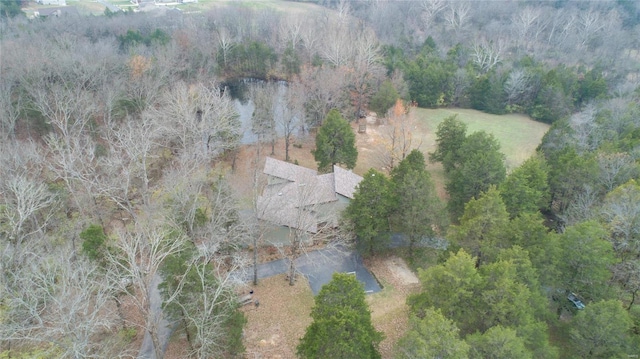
(118, 135)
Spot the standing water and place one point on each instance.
(240, 91)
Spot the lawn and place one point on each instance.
(278, 5)
(518, 134)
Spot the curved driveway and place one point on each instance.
(318, 266)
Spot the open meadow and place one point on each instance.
(518, 134)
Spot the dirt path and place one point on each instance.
(389, 311)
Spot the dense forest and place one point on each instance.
(118, 133)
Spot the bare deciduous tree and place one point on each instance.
(204, 293)
(263, 120)
(27, 207)
(212, 305)
(291, 30)
(487, 54)
(310, 222)
(582, 207)
(201, 120)
(461, 83)
(589, 24)
(337, 47)
(133, 146)
(64, 304)
(311, 37)
(529, 24)
(225, 42)
(621, 213)
(562, 25)
(517, 86)
(431, 9)
(290, 114)
(323, 90)
(615, 169)
(585, 129)
(10, 105)
(398, 140)
(136, 260)
(364, 70)
(457, 16)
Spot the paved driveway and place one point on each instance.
(318, 266)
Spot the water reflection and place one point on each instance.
(240, 92)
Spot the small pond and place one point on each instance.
(240, 91)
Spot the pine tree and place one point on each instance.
(341, 326)
(369, 212)
(335, 143)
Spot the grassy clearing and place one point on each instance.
(278, 5)
(85, 6)
(518, 134)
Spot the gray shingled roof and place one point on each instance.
(290, 203)
(345, 181)
(286, 170)
(285, 204)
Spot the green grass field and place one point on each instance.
(518, 134)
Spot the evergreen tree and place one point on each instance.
(450, 136)
(335, 143)
(10, 8)
(384, 99)
(526, 189)
(93, 241)
(433, 336)
(481, 165)
(417, 210)
(602, 330)
(587, 257)
(341, 326)
(483, 226)
(498, 343)
(413, 161)
(450, 287)
(369, 212)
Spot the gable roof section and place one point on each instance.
(286, 170)
(289, 203)
(345, 181)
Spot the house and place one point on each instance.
(56, 11)
(52, 2)
(300, 198)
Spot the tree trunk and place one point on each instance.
(186, 329)
(294, 254)
(286, 148)
(233, 160)
(255, 260)
(633, 299)
(292, 272)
